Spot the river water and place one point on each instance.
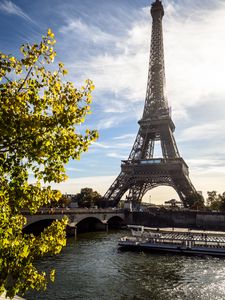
(94, 269)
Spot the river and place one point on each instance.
(92, 268)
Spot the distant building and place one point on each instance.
(73, 205)
(73, 200)
(128, 205)
(173, 203)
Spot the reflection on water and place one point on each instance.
(93, 268)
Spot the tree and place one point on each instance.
(38, 114)
(195, 201)
(212, 200)
(88, 198)
(216, 201)
(64, 201)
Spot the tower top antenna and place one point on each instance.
(157, 8)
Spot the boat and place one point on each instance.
(175, 240)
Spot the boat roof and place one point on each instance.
(177, 230)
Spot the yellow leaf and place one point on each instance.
(52, 275)
(92, 87)
(50, 33)
(52, 56)
(12, 59)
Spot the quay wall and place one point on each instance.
(171, 218)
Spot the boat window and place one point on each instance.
(151, 161)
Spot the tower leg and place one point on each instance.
(117, 189)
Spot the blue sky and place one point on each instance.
(108, 42)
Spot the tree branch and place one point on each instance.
(7, 79)
(28, 74)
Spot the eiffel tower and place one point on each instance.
(141, 171)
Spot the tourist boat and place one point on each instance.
(178, 240)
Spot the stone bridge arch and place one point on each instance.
(37, 225)
(115, 222)
(100, 219)
(31, 219)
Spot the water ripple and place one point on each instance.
(93, 268)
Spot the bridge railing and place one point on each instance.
(67, 210)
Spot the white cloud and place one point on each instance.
(107, 123)
(112, 145)
(100, 145)
(205, 131)
(74, 169)
(116, 155)
(194, 50)
(12, 9)
(112, 121)
(73, 186)
(114, 106)
(91, 32)
(125, 145)
(206, 166)
(194, 39)
(125, 136)
(121, 74)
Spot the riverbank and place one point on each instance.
(155, 217)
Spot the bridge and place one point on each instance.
(80, 219)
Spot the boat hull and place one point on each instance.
(146, 246)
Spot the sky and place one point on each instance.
(108, 42)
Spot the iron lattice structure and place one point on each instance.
(141, 171)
